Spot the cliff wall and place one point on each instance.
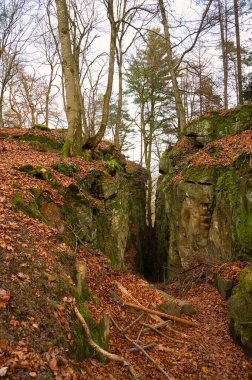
(204, 195)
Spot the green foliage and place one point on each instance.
(165, 154)
(65, 168)
(148, 80)
(113, 166)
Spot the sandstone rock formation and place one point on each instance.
(204, 197)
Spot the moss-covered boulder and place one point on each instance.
(240, 309)
(223, 285)
(41, 142)
(174, 306)
(30, 208)
(40, 173)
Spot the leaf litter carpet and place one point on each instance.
(206, 352)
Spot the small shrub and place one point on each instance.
(113, 166)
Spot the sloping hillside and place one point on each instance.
(43, 253)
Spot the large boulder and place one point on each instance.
(240, 309)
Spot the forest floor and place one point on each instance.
(27, 247)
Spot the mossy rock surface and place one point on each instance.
(41, 127)
(240, 309)
(223, 285)
(29, 208)
(175, 306)
(218, 124)
(40, 173)
(41, 142)
(67, 169)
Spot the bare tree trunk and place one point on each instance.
(1, 111)
(238, 51)
(120, 97)
(224, 54)
(47, 97)
(73, 143)
(179, 105)
(142, 132)
(94, 140)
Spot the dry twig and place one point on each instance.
(149, 345)
(140, 348)
(166, 324)
(133, 322)
(162, 334)
(159, 313)
(100, 350)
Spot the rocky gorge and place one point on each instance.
(73, 232)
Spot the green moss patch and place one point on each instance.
(31, 209)
(40, 173)
(43, 142)
(113, 166)
(41, 127)
(67, 169)
(217, 124)
(81, 348)
(240, 309)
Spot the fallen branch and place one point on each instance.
(128, 294)
(160, 347)
(100, 350)
(162, 334)
(150, 358)
(159, 313)
(166, 324)
(149, 345)
(139, 334)
(133, 322)
(140, 348)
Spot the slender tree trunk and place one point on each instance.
(81, 99)
(1, 111)
(142, 132)
(47, 97)
(238, 51)
(148, 163)
(224, 54)
(73, 143)
(94, 140)
(179, 105)
(120, 98)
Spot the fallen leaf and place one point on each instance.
(3, 371)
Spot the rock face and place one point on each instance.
(240, 309)
(204, 196)
(106, 208)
